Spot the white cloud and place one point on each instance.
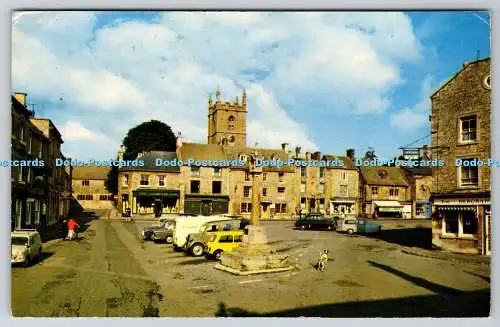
(73, 131)
(120, 75)
(411, 119)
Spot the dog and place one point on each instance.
(323, 259)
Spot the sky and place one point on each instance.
(324, 81)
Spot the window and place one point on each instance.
(226, 239)
(451, 222)
(238, 238)
(303, 171)
(125, 180)
(217, 172)
(247, 176)
(281, 190)
(103, 197)
(344, 175)
(85, 182)
(468, 129)
(216, 187)
(321, 188)
(144, 180)
(280, 207)
(29, 210)
(230, 124)
(322, 204)
(374, 190)
(469, 223)
(303, 187)
(21, 134)
(37, 212)
(419, 209)
(246, 191)
(246, 207)
(322, 172)
(195, 171)
(40, 150)
(264, 176)
(343, 190)
(469, 176)
(281, 176)
(85, 197)
(29, 144)
(195, 186)
(393, 192)
(264, 191)
(28, 179)
(161, 180)
(20, 175)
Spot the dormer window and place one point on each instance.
(382, 173)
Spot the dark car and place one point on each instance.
(148, 232)
(315, 221)
(165, 234)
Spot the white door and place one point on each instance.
(487, 232)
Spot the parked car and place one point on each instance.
(26, 246)
(315, 221)
(194, 243)
(165, 234)
(221, 241)
(358, 226)
(162, 223)
(188, 225)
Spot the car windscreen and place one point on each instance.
(18, 240)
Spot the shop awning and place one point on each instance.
(342, 200)
(388, 206)
(456, 208)
(156, 192)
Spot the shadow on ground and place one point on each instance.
(447, 302)
(420, 237)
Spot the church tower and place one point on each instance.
(227, 121)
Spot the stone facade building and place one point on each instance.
(89, 188)
(40, 194)
(385, 192)
(420, 180)
(461, 118)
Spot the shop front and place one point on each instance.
(462, 225)
(206, 205)
(389, 209)
(342, 207)
(152, 201)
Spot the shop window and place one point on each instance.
(451, 222)
(419, 209)
(195, 186)
(469, 223)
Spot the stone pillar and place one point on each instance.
(182, 195)
(255, 197)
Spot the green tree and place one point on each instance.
(153, 135)
(370, 154)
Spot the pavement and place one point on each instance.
(112, 272)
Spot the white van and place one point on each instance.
(190, 225)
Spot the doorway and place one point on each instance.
(206, 207)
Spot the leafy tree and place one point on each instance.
(153, 135)
(370, 154)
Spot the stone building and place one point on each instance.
(420, 180)
(385, 192)
(89, 187)
(461, 117)
(40, 194)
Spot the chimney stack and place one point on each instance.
(120, 154)
(308, 155)
(21, 97)
(297, 151)
(350, 154)
(284, 147)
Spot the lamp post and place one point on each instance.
(255, 173)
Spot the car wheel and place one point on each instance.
(169, 239)
(350, 231)
(153, 238)
(197, 250)
(27, 261)
(218, 254)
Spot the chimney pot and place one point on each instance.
(284, 147)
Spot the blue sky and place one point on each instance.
(322, 81)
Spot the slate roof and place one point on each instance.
(348, 163)
(389, 176)
(198, 151)
(149, 159)
(91, 172)
(420, 171)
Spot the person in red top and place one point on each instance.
(72, 226)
